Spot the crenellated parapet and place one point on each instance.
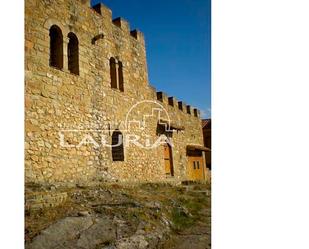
(161, 96)
(181, 105)
(138, 35)
(103, 10)
(178, 105)
(189, 109)
(172, 101)
(120, 22)
(196, 112)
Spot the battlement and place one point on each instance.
(178, 105)
(161, 96)
(138, 35)
(181, 104)
(172, 101)
(196, 112)
(120, 22)
(96, 32)
(189, 109)
(103, 10)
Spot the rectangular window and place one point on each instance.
(194, 165)
(198, 164)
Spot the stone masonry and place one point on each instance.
(61, 106)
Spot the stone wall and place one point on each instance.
(59, 103)
(38, 200)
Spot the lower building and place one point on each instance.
(206, 124)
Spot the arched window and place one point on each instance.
(73, 61)
(113, 72)
(56, 47)
(117, 148)
(120, 76)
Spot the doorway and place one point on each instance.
(195, 165)
(168, 160)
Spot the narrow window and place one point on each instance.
(120, 76)
(195, 113)
(73, 61)
(194, 165)
(198, 164)
(56, 47)
(113, 72)
(117, 148)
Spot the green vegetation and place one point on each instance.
(181, 219)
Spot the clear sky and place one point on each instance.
(178, 45)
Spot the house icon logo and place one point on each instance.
(143, 112)
(141, 120)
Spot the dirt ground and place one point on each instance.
(159, 216)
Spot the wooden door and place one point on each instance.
(168, 160)
(195, 168)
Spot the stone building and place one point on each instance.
(88, 99)
(206, 125)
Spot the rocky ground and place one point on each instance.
(158, 216)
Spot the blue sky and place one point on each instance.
(178, 45)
